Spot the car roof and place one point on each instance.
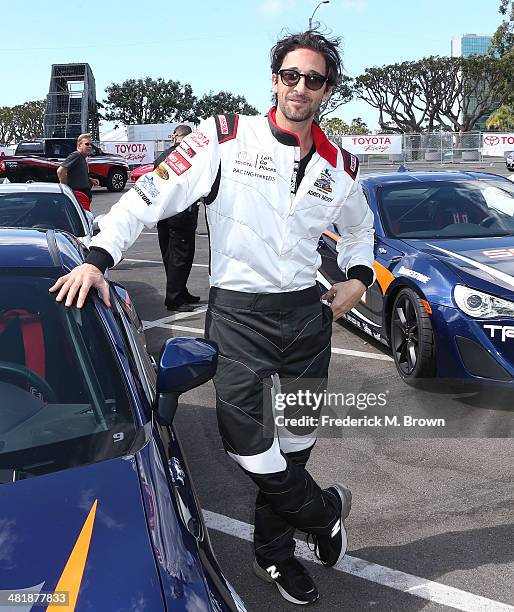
(39, 187)
(55, 251)
(378, 180)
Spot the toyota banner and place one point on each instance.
(380, 144)
(135, 153)
(497, 144)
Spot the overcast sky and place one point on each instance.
(219, 45)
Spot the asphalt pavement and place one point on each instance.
(431, 523)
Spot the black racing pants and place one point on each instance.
(177, 244)
(271, 342)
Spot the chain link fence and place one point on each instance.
(427, 149)
(437, 148)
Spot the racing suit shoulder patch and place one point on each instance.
(351, 163)
(226, 126)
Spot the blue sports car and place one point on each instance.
(97, 508)
(444, 262)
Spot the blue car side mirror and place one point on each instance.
(184, 363)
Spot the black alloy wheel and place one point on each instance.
(412, 337)
(116, 179)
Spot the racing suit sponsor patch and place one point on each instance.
(149, 186)
(199, 139)
(142, 195)
(226, 126)
(161, 172)
(324, 181)
(223, 125)
(351, 163)
(177, 163)
(189, 151)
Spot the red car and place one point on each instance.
(138, 172)
(37, 161)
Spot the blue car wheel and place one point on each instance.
(412, 338)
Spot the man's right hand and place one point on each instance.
(78, 283)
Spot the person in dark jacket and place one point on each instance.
(177, 243)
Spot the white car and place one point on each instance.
(44, 206)
(509, 161)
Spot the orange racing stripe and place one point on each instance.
(71, 577)
(384, 276)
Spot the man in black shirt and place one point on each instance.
(73, 171)
(177, 243)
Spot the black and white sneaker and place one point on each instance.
(292, 579)
(330, 548)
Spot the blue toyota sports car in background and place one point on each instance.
(443, 299)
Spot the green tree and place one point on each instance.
(502, 119)
(395, 91)
(223, 102)
(336, 127)
(23, 121)
(503, 38)
(29, 119)
(5, 125)
(149, 101)
(358, 126)
(471, 89)
(434, 92)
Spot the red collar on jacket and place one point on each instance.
(323, 145)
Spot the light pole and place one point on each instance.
(310, 18)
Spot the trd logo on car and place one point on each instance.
(505, 331)
(498, 253)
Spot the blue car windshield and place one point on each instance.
(36, 209)
(63, 398)
(447, 209)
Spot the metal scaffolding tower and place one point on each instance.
(71, 102)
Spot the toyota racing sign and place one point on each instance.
(135, 153)
(373, 145)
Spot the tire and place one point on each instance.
(30, 178)
(116, 179)
(412, 338)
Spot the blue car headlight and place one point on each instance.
(481, 305)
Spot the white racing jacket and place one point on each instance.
(263, 234)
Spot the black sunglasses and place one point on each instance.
(312, 81)
(88, 144)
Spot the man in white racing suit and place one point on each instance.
(271, 185)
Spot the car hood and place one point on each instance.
(483, 263)
(82, 530)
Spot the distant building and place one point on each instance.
(466, 45)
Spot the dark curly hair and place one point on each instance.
(328, 47)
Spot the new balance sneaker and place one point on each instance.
(330, 548)
(292, 579)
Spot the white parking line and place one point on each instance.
(394, 579)
(193, 330)
(364, 354)
(179, 315)
(166, 323)
(156, 262)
